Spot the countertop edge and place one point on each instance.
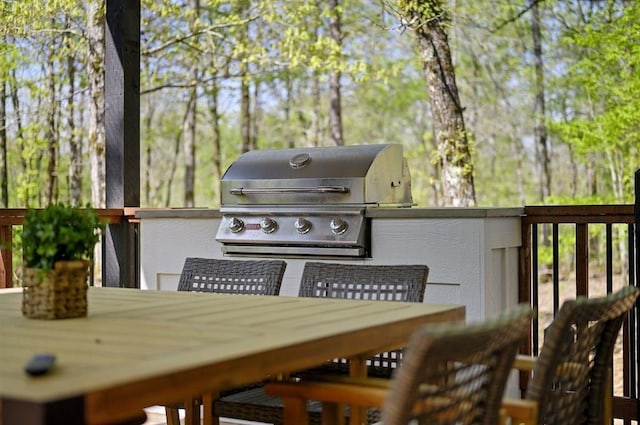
(442, 212)
(178, 213)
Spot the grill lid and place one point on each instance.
(362, 174)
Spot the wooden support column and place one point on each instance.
(122, 120)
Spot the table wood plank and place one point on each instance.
(140, 348)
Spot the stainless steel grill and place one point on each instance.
(309, 201)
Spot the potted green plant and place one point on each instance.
(58, 243)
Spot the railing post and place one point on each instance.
(635, 314)
(636, 212)
(6, 256)
(582, 259)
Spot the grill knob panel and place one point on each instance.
(302, 225)
(236, 225)
(338, 226)
(268, 225)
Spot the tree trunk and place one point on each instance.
(189, 124)
(245, 111)
(35, 171)
(15, 102)
(174, 166)
(147, 122)
(518, 154)
(316, 119)
(288, 92)
(429, 21)
(316, 122)
(24, 164)
(96, 125)
(335, 109)
(436, 177)
(540, 129)
(75, 168)
(245, 93)
(189, 146)
(52, 141)
(255, 116)
(573, 166)
(215, 136)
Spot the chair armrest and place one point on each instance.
(520, 412)
(357, 393)
(524, 363)
(360, 392)
(345, 379)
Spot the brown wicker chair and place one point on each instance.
(250, 277)
(452, 374)
(404, 283)
(571, 380)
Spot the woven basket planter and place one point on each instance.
(60, 293)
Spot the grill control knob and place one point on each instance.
(338, 226)
(236, 225)
(268, 225)
(302, 225)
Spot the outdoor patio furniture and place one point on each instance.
(451, 374)
(251, 277)
(142, 348)
(248, 277)
(571, 380)
(405, 283)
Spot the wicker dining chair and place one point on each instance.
(571, 380)
(405, 283)
(452, 374)
(247, 277)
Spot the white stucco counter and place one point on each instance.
(472, 253)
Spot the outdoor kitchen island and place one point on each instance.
(472, 253)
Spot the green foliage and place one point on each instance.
(590, 51)
(602, 113)
(59, 233)
(566, 247)
(577, 200)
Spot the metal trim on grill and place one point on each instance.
(268, 190)
(293, 250)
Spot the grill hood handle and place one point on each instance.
(267, 190)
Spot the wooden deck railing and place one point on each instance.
(614, 262)
(10, 217)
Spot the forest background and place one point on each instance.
(549, 91)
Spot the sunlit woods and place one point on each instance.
(542, 86)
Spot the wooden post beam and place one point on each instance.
(122, 118)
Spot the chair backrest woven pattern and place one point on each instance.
(571, 373)
(404, 283)
(251, 277)
(366, 282)
(455, 374)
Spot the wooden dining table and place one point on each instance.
(142, 348)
